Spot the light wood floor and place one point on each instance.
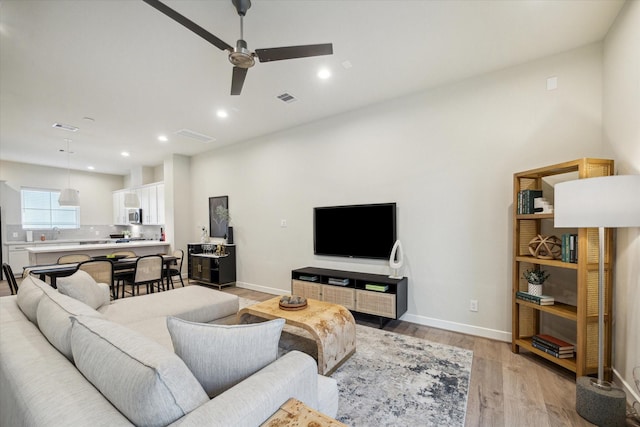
(506, 389)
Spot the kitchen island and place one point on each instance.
(49, 254)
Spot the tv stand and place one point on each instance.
(349, 289)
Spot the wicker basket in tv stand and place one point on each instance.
(391, 304)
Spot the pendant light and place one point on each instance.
(69, 196)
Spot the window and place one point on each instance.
(40, 209)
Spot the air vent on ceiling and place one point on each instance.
(195, 135)
(286, 97)
(64, 127)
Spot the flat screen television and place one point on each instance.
(356, 231)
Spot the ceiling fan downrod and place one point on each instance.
(241, 56)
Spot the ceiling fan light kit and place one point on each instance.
(240, 56)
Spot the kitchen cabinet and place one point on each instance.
(145, 204)
(151, 202)
(18, 258)
(150, 205)
(119, 211)
(160, 203)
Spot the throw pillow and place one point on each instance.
(54, 311)
(148, 383)
(29, 294)
(220, 356)
(81, 286)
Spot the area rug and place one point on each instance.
(396, 380)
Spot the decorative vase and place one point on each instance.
(535, 289)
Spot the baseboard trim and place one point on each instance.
(421, 320)
(458, 327)
(632, 395)
(265, 289)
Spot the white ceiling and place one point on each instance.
(139, 74)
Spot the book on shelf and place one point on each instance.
(525, 201)
(540, 345)
(375, 287)
(308, 278)
(552, 352)
(570, 248)
(552, 342)
(338, 282)
(540, 300)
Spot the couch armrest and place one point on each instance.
(254, 400)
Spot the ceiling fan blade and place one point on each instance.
(237, 80)
(291, 52)
(161, 7)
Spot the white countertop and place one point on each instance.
(88, 247)
(210, 255)
(56, 241)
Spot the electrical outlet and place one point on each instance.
(15, 234)
(97, 233)
(283, 223)
(473, 305)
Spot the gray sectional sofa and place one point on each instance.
(66, 363)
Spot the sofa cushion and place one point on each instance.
(193, 303)
(220, 356)
(29, 294)
(54, 311)
(149, 384)
(41, 387)
(81, 286)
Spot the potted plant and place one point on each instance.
(536, 278)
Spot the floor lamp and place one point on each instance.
(603, 202)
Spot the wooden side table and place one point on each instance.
(294, 413)
(331, 325)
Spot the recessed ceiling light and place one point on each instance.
(324, 73)
(90, 168)
(163, 138)
(222, 114)
(125, 154)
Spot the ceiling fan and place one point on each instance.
(240, 56)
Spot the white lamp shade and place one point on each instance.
(609, 201)
(131, 200)
(69, 197)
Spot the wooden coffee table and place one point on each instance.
(331, 325)
(294, 413)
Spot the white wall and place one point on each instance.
(621, 112)
(95, 190)
(446, 156)
(177, 193)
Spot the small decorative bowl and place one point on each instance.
(292, 302)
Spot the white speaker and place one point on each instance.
(395, 260)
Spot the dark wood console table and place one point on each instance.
(211, 269)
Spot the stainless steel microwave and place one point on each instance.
(135, 216)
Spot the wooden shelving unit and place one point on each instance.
(526, 321)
